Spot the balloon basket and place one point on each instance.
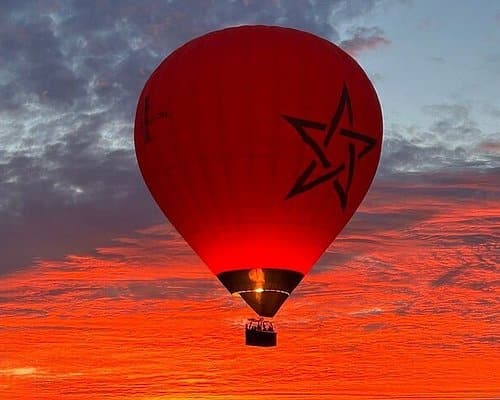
(259, 332)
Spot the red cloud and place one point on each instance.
(403, 310)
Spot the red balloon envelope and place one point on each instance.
(258, 143)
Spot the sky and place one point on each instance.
(101, 298)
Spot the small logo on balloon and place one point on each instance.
(322, 167)
(148, 119)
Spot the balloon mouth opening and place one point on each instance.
(259, 290)
(263, 289)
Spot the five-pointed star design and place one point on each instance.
(331, 170)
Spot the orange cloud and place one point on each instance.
(402, 305)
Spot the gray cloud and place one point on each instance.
(68, 177)
(37, 64)
(364, 39)
(374, 326)
(24, 312)
(173, 288)
(69, 199)
(74, 70)
(452, 141)
(157, 289)
(448, 277)
(402, 155)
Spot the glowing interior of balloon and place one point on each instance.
(258, 143)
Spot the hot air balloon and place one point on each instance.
(258, 143)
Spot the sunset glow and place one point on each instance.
(411, 310)
(102, 299)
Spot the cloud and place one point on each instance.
(447, 278)
(367, 312)
(21, 371)
(400, 287)
(167, 289)
(68, 174)
(375, 326)
(488, 339)
(404, 155)
(453, 140)
(35, 56)
(70, 83)
(364, 39)
(489, 147)
(33, 372)
(72, 204)
(437, 59)
(21, 311)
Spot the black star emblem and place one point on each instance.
(331, 170)
(148, 120)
